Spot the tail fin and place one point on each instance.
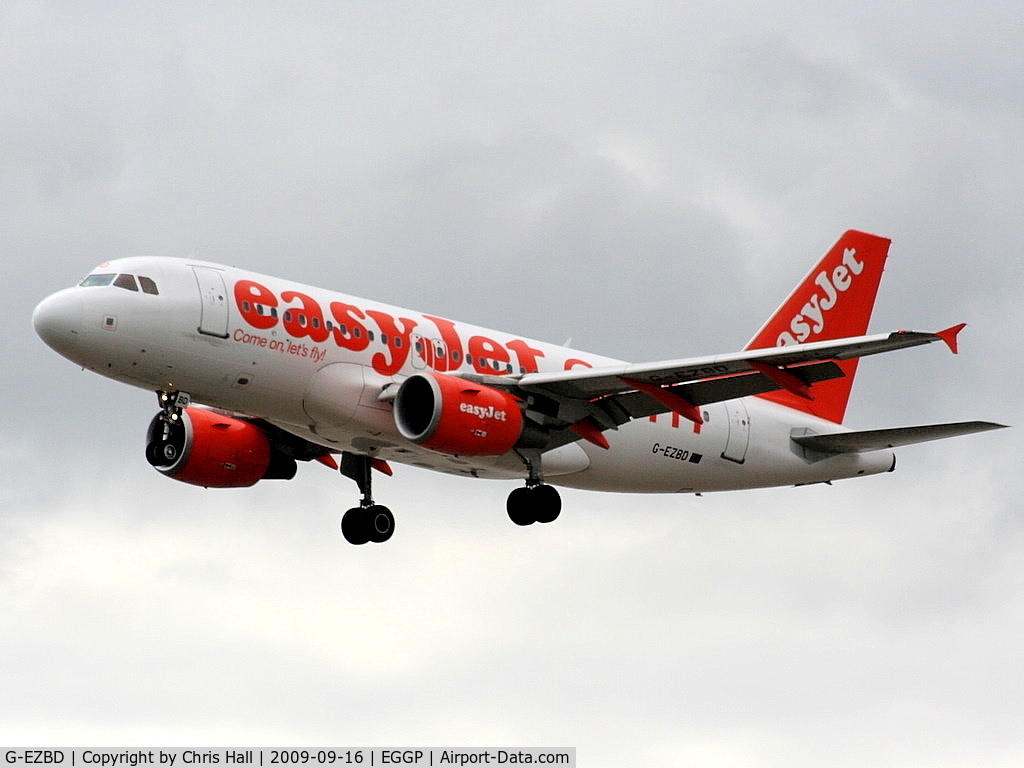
(834, 301)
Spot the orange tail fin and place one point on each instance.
(834, 301)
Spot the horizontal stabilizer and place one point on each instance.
(879, 439)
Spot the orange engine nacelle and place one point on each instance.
(204, 448)
(451, 415)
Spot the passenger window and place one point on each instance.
(148, 286)
(127, 282)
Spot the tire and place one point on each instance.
(354, 526)
(520, 506)
(547, 504)
(380, 523)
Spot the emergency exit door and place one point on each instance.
(739, 432)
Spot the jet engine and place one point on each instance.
(451, 415)
(204, 448)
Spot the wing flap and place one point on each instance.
(880, 439)
(591, 383)
(639, 405)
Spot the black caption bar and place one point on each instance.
(287, 758)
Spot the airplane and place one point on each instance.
(254, 374)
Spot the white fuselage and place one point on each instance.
(316, 363)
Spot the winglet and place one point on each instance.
(949, 336)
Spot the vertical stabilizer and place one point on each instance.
(834, 301)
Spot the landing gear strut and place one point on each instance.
(172, 403)
(369, 521)
(536, 502)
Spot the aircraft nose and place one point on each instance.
(58, 320)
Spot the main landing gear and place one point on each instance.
(367, 522)
(536, 502)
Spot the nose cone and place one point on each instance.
(58, 321)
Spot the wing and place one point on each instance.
(583, 402)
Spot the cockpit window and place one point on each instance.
(121, 281)
(127, 282)
(99, 279)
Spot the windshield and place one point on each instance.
(121, 281)
(100, 279)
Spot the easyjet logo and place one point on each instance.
(440, 346)
(813, 316)
(484, 412)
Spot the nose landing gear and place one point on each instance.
(167, 436)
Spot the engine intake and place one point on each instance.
(451, 415)
(204, 448)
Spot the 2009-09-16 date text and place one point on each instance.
(329, 757)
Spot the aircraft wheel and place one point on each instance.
(546, 502)
(380, 523)
(520, 506)
(154, 455)
(354, 526)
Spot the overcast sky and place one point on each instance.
(650, 179)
